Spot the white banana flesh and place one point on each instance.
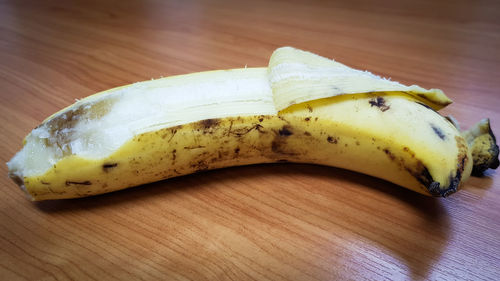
(302, 108)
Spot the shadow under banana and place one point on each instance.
(314, 223)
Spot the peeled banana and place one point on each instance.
(301, 108)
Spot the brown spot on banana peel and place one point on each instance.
(200, 165)
(279, 143)
(407, 150)
(173, 132)
(108, 166)
(68, 183)
(380, 103)
(438, 131)
(389, 154)
(243, 131)
(285, 131)
(193, 147)
(209, 123)
(331, 139)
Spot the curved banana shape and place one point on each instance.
(292, 111)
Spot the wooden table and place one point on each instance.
(275, 222)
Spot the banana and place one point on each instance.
(302, 108)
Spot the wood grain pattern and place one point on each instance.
(264, 222)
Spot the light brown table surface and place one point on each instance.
(275, 222)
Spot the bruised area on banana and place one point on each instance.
(386, 135)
